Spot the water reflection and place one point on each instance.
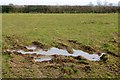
(56, 51)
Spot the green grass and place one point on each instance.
(0, 45)
(89, 29)
(5, 65)
(95, 30)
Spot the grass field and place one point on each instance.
(0, 46)
(99, 31)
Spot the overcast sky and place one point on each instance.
(53, 2)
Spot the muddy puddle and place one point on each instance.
(48, 55)
(43, 58)
(31, 47)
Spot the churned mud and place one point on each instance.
(55, 51)
(60, 61)
(21, 66)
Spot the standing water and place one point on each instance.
(43, 58)
(55, 51)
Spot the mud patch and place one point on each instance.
(40, 45)
(43, 58)
(62, 45)
(46, 55)
(80, 46)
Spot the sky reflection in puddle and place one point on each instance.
(63, 52)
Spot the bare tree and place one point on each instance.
(11, 4)
(90, 4)
(99, 3)
(119, 3)
(105, 3)
(110, 4)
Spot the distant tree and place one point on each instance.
(59, 9)
(119, 3)
(90, 4)
(110, 4)
(11, 4)
(0, 9)
(99, 3)
(105, 3)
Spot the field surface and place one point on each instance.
(89, 32)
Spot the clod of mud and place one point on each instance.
(104, 57)
(74, 42)
(113, 40)
(114, 54)
(13, 42)
(80, 58)
(70, 50)
(61, 45)
(6, 52)
(42, 58)
(40, 45)
(78, 45)
(88, 49)
(87, 69)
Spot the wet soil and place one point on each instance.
(78, 45)
(23, 66)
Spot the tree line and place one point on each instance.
(58, 9)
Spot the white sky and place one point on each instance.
(53, 2)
